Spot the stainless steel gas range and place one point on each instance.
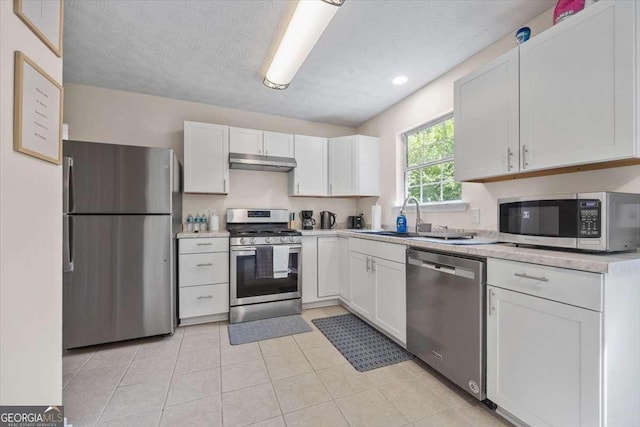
(265, 265)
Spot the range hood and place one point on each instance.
(261, 163)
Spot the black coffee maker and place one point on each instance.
(307, 221)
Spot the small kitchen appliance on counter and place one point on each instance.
(307, 220)
(327, 220)
(265, 265)
(598, 222)
(355, 222)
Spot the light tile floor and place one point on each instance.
(195, 378)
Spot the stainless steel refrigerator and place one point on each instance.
(122, 208)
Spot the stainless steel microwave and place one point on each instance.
(604, 221)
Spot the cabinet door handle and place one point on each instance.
(509, 155)
(368, 263)
(525, 151)
(224, 185)
(209, 264)
(298, 188)
(373, 265)
(205, 297)
(492, 308)
(204, 244)
(526, 276)
(330, 189)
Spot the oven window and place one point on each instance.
(249, 286)
(548, 218)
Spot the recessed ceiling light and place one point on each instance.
(400, 80)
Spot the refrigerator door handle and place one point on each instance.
(67, 245)
(67, 185)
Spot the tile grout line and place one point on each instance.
(78, 371)
(117, 385)
(166, 396)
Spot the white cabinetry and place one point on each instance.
(261, 143)
(316, 280)
(378, 291)
(563, 99)
(245, 141)
(278, 144)
(203, 284)
(206, 158)
(354, 166)
(309, 177)
(487, 120)
(576, 94)
(328, 266)
(344, 282)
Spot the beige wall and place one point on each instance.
(30, 242)
(105, 115)
(435, 100)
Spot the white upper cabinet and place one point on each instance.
(354, 166)
(487, 120)
(206, 158)
(576, 86)
(309, 177)
(260, 143)
(245, 141)
(577, 89)
(278, 144)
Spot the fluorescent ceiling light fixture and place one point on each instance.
(399, 80)
(309, 21)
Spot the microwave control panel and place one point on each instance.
(589, 218)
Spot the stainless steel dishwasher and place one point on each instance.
(445, 316)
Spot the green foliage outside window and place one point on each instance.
(428, 173)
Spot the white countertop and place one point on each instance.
(597, 263)
(200, 234)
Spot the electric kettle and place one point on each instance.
(327, 220)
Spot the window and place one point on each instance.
(428, 162)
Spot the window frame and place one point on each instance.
(406, 169)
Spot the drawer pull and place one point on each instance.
(205, 297)
(209, 264)
(526, 276)
(204, 244)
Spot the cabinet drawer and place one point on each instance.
(578, 288)
(204, 300)
(390, 251)
(203, 269)
(203, 244)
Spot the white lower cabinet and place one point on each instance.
(544, 357)
(344, 281)
(378, 285)
(328, 266)
(203, 279)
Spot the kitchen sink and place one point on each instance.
(391, 234)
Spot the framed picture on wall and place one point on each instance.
(45, 18)
(37, 111)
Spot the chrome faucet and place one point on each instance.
(404, 206)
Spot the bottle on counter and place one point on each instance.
(196, 224)
(204, 223)
(189, 224)
(401, 223)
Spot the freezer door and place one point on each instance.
(119, 279)
(117, 179)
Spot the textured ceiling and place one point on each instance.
(217, 52)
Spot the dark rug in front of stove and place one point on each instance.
(362, 345)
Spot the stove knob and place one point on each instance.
(267, 239)
(242, 240)
(253, 240)
(292, 239)
(283, 239)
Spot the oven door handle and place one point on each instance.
(241, 250)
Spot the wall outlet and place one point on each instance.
(475, 215)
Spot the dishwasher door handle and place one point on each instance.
(443, 268)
